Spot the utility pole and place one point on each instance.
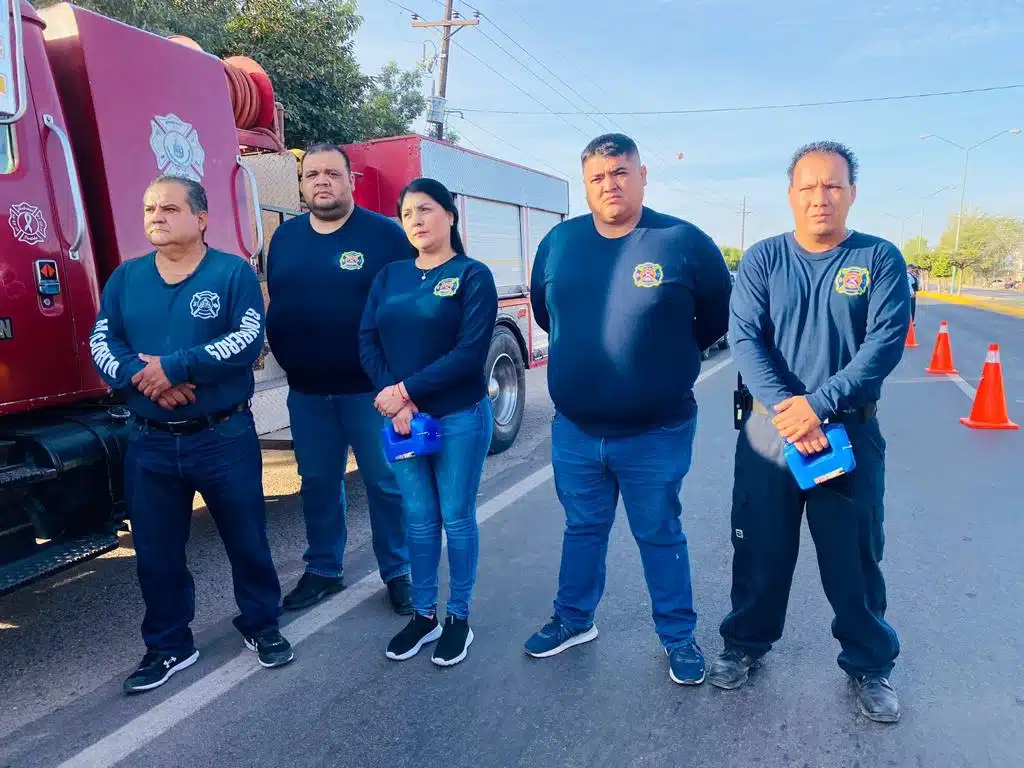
(743, 224)
(449, 26)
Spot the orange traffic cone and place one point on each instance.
(942, 356)
(911, 337)
(989, 410)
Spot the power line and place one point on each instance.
(402, 7)
(513, 146)
(760, 107)
(717, 199)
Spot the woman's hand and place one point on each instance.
(403, 419)
(390, 401)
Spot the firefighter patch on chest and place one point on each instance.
(6, 329)
(351, 260)
(447, 287)
(853, 281)
(648, 275)
(205, 305)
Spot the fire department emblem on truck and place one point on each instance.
(27, 223)
(205, 305)
(176, 146)
(648, 275)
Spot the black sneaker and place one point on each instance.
(273, 650)
(400, 594)
(877, 698)
(730, 670)
(686, 664)
(454, 644)
(310, 590)
(157, 668)
(555, 637)
(418, 632)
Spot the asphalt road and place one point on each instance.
(952, 565)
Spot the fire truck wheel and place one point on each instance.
(506, 388)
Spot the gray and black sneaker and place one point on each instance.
(730, 670)
(555, 637)
(156, 669)
(310, 590)
(418, 632)
(400, 594)
(454, 643)
(272, 649)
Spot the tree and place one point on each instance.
(732, 256)
(306, 48)
(986, 243)
(915, 251)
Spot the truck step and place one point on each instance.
(24, 474)
(54, 558)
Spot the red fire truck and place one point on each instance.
(91, 110)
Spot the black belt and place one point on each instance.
(192, 426)
(863, 414)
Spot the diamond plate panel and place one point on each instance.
(53, 558)
(468, 173)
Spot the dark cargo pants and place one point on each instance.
(845, 518)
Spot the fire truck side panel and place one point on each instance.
(388, 165)
(44, 289)
(169, 112)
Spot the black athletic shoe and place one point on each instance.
(400, 594)
(157, 668)
(731, 668)
(310, 590)
(454, 643)
(272, 649)
(418, 632)
(877, 699)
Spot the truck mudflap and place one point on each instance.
(61, 490)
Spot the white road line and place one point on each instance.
(135, 734)
(966, 388)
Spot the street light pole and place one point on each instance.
(963, 187)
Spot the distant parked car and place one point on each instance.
(722, 343)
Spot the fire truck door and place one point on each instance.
(38, 358)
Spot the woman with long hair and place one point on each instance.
(425, 335)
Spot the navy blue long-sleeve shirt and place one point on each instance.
(207, 329)
(433, 334)
(627, 319)
(318, 286)
(831, 326)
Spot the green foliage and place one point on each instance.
(915, 250)
(986, 242)
(732, 256)
(306, 47)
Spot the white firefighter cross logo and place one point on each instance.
(27, 223)
(205, 305)
(176, 146)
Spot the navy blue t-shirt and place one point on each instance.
(207, 329)
(318, 286)
(431, 329)
(829, 325)
(627, 319)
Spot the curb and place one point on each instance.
(977, 302)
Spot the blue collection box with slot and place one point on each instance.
(423, 440)
(835, 460)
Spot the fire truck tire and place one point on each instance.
(506, 388)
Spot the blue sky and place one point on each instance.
(688, 54)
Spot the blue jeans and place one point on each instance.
(323, 427)
(648, 470)
(441, 489)
(162, 474)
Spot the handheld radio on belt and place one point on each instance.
(742, 402)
